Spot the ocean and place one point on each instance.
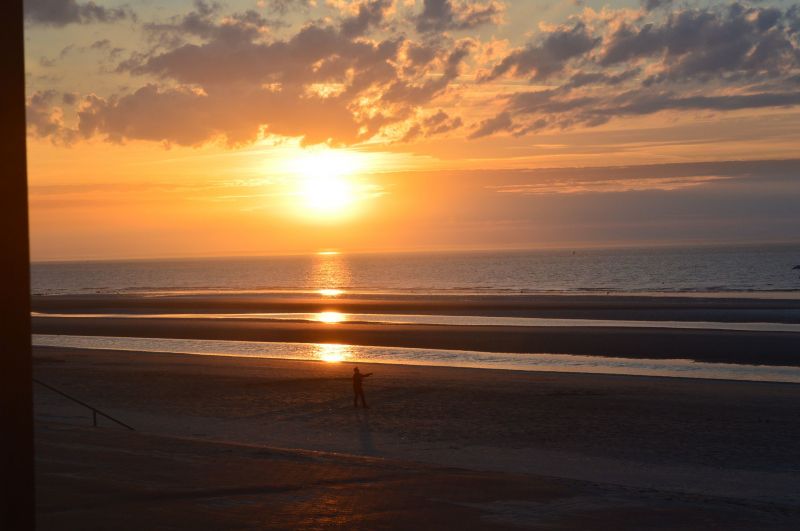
(766, 269)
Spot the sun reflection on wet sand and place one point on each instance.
(332, 352)
(331, 317)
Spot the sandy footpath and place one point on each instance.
(715, 438)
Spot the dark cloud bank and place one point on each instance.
(212, 76)
(63, 12)
(714, 59)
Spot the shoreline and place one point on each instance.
(777, 294)
(624, 307)
(720, 346)
(542, 368)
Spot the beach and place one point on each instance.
(514, 447)
(558, 242)
(714, 437)
(149, 481)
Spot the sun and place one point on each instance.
(325, 178)
(327, 194)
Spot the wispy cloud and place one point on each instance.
(579, 186)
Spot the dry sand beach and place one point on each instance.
(684, 453)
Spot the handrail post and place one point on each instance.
(84, 404)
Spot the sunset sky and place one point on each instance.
(175, 128)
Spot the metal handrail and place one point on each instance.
(95, 411)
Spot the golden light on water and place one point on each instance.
(331, 317)
(330, 292)
(332, 352)
(330, 273)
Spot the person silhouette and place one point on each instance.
(358, 389)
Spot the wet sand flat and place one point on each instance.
(641, 307)
(721, 346)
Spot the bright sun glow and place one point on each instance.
(327, 195)
(326, 185)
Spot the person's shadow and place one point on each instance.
(364, 432)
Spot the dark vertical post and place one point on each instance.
(16, 405)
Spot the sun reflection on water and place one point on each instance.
(330, 292)
(331, 317)
(330, 274)
(332, 352)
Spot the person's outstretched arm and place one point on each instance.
(368, 374)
